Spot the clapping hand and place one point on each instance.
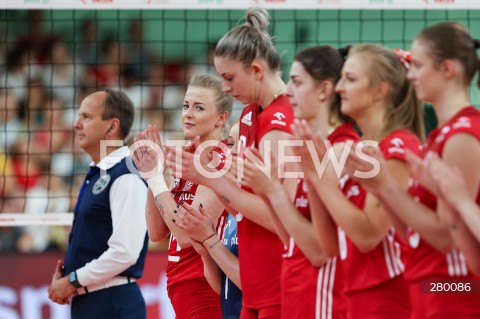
(148, 155)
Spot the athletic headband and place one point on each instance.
(404, 56)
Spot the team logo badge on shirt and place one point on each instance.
(442, 134)
(462, 122)
(247, 119)
(343, 180)
(305, 187)
(188, 186)
(176, 182)
(353, 191)
(413, 238)
(101, 184)
(301, 202)
(397, 146)
(279, 119)
(239, 217)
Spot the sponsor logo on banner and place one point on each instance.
(210, 1)
(242, 4)
(439, 1)
(381, 1)
(327, 2)
(158, 1)
(36, 1)
(96, 1)
(270, 1)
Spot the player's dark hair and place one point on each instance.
(324, 63)
(451, 40)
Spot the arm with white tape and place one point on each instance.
(161, 207)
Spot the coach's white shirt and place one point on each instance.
(128, 198)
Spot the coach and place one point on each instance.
(108, 241)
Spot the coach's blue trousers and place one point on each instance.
(119, 302)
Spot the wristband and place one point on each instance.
(208, 238)
(157, 185)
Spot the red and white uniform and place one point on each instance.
(309, 291)
(425, 263)
(374, 280)
(185, 268)
(260, 252)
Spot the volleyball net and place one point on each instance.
(50, 59)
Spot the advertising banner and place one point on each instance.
(24, 280)
(242, 4)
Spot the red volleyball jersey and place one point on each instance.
(247, 128)
(343, 133)
(422, 259)
(278, 116)
(185, 263)
(260, 253)
(309, 291)
(365, 270)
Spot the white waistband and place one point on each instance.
(115, 281)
